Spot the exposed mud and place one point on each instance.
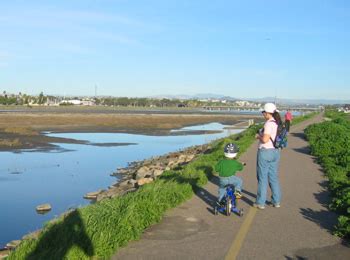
(24, 129)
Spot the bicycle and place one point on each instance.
(229, 203)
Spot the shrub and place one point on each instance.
(330, 143)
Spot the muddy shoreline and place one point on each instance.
(137, 173)
(26, 130)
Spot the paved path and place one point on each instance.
(300, 229)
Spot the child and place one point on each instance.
(227, 169)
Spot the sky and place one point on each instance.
(250, 48)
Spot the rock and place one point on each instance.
(128, 191)
(190, 157)
(132, 182)
(43, 207)
(107, 193)
(13, 244)
(123, 183)
(92, 195)
(172, 163)
(33, 235)
(182, 157)
(157, 173)
(4, 253)
(123, 170)
(144, 181)
(142, 172)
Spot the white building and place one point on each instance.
(75, 102)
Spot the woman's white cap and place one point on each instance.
(270, 108)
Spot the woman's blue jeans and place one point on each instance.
(233, 180)
(267, 173)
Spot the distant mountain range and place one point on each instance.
(284, 101)
(196, 96)
(300, 101)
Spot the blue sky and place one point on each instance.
(251, 48)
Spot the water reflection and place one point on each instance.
(28, 179)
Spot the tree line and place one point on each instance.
(22, 99)
(41, 99)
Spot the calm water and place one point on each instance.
(62, 178)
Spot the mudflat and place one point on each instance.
(24, 128)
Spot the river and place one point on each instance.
(62, 177)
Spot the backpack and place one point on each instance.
(280, 141)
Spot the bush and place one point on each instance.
(330, 143)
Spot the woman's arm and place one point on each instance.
(264, 139)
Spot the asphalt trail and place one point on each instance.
(301, 229)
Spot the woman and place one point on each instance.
(268, 158)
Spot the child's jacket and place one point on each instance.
(227, 168)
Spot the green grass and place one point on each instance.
(99, 230)
(299, 119)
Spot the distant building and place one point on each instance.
(345, 108)
(78, 102)
(75, 102)
(242, 103)
(88, 102)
